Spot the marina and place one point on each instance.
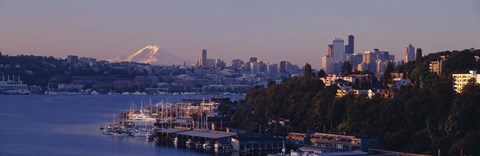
(194, 124)
(69, 124)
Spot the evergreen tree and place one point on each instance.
(347, 68)
(321, 73)
(307, 70)
(387, 76)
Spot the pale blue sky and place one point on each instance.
(272, 30)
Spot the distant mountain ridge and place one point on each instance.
(151, 54)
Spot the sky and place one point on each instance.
(272, 30)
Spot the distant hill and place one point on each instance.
(151, 54)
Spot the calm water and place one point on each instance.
(69, 125)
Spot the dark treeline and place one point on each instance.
(38, 70)
(425, 117)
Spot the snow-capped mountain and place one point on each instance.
(151, 54)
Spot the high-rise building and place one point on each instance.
(330, 50)
(409, 54)
(272, 69)
(381, 65)
(210, 63)
(368, 57)
(338, 48)
(203, 59)
(237, 63)
(253, 59)
(355, 59)
(327, 64)
(72, 59)
(255, 67)
(284, 67)
(349, 48)
(219, 64)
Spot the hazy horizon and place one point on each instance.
(272, 30)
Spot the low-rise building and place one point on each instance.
(69, 87)
(330, 79)
(328, 142)
(436, 67)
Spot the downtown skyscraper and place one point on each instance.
(409, 54)
(203, 58)
(349, 48)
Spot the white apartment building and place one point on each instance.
(461, 80)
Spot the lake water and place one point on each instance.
(69, 125)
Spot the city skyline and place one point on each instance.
(296, 32)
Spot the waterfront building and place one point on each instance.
(461, 80)
(264, 144)
(409, 53)
(12, 86)
(329, 142)
(147, 81)
(70, 87)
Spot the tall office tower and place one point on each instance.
(409, 53)
(253, 59)
(346, 50)
(203, 59)
(355, 59)
(327, 64)
(237, 63)
(330, 50)
(283, 67)
(272, 69)
(338, 48)
(350, 46)
(380, 65)
(219, 64)
(255, 67)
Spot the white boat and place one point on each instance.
(198, 145)
(119, 134)
(188, 143)
(149, 135)
(107, 130)
(207, 145)
(175, 141)
(140, 132)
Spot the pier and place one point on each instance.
(202, 136)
